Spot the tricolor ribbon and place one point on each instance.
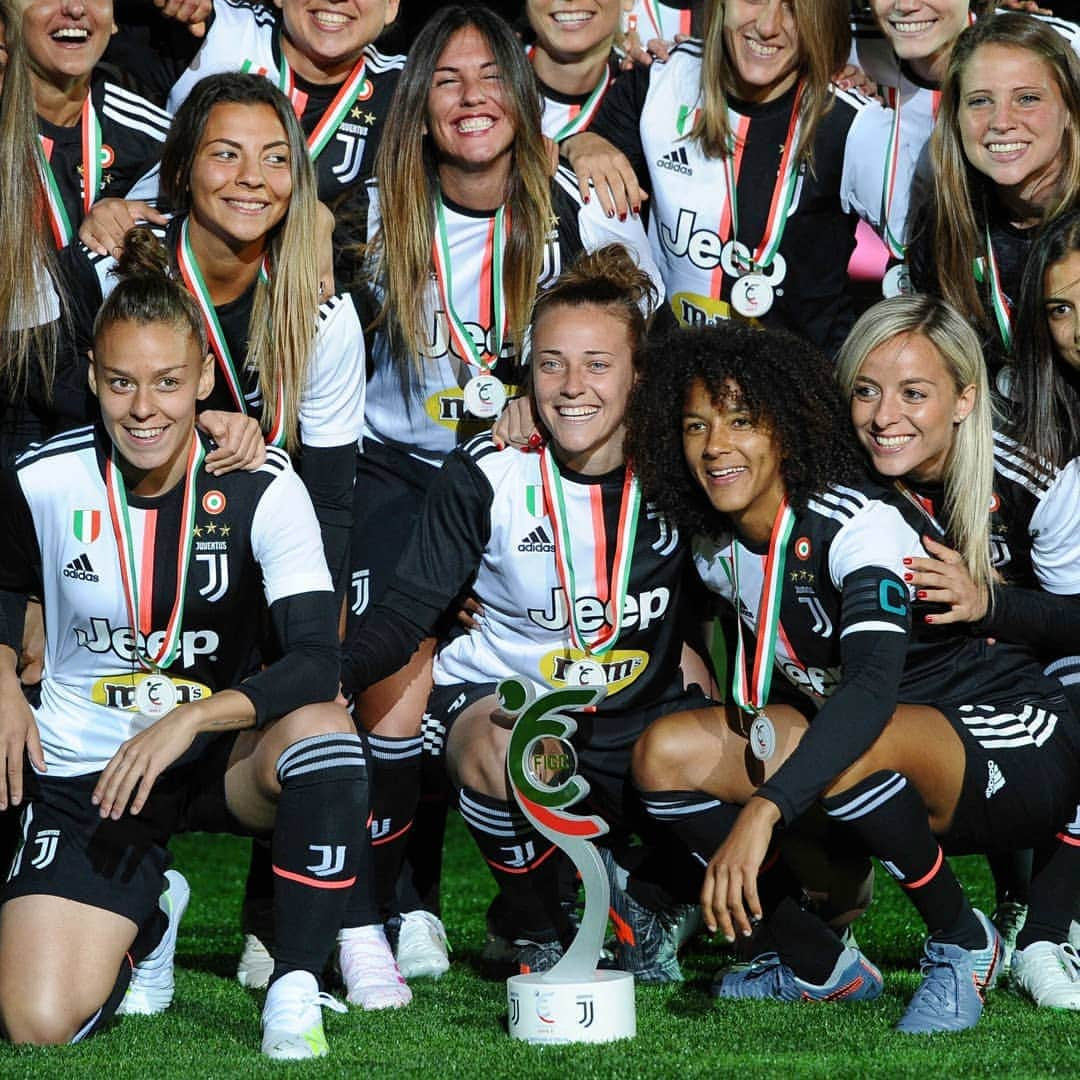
(987, 272)
(196, 285)
(92, 164)
(752, 694)
(613, 590)
(581, 115)
(138, 593)
(494, 253)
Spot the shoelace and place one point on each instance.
(368, 962)
(431, 925)
(289, 1006)
(767, 965)
(1070, 961)
(938, 990)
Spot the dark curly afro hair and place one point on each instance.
(783, 382)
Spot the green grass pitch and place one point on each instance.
(456, 1026)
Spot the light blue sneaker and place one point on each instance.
(853, 978)
(950, 997)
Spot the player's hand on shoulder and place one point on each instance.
(605, 171)
(944, 579)
(239, 438)
(109, 221)
(518, 426)
(191, 13)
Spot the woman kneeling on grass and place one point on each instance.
(814, 557)
(153, 718)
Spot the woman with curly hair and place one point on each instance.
(815, 561)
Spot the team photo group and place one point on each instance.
(359, 356)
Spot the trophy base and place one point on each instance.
(593, 1010)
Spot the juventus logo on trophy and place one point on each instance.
(573, 1002)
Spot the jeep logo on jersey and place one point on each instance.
(123, 640)
(483, 337)
(118, 691)
(815, 681)
(621, 667)
(705, 250)
(642, 609)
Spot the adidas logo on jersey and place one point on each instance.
(994, 779)
(676, 161)
(80, 569)
(537, 540)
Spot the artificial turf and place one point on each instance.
(457, 1026)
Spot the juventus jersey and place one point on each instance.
(562, 109)
(247, 37)
(132, 133)
(485, 521)
(648, 114)
(332, 404)
(431, 421)
(255, 537)
(654, 19)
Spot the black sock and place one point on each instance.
(257, 913)
(525, 866)
(1055, 889)
(1012, 875)
(803, 942)
(700, 821)
(421, 868)
(395, 791)
(889, 817)
(317, 836)
(93, 1024)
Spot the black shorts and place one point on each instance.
(68, 850)
(603, 758)
(391, 487)
(1021, 774)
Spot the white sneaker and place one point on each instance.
(1049, 974)
(422, 946)
(1074, 934)
(151, 988)
(1009, 918)
(256, 964)
(369, 971)
(292, 1018)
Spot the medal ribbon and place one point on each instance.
(193, 280)
(62, 230)
(783, 190)
(338, 109)
(888, 183)
(588, 109)
(119, 515)
(555, 504)
(740, 128)
(753, 697)
(495, 249)
(986, 271)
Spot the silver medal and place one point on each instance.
(155, 695)
(485, 396)
(897, 281)
(752, 296)
(585, 673)
(762, 737)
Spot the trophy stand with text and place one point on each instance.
(573, 1002)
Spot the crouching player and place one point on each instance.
(154, 716)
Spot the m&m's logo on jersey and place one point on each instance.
(995, 503)
(803, 548)
(86, 525)
(213, 502)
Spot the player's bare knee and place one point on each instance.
(484, 768)
(658, 755)
(34, 1020)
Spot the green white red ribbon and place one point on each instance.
(987, 272)
(92, 164)
(139, 591)
(613, 590)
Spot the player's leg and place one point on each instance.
(64, 967)
(305, 778)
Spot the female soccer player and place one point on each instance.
(1006, 159)
(465, 223)
(816, 568)
(754, 163)
(236, 170)
(578, 581)
(153, 717)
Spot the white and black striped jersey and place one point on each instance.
(851, 639)
(430, 421)
(648, 114)
(484, 525)
(332, 405)
(247, 37)
(133, 132)
(255, 536)
(561, 109)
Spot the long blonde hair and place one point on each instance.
(284, 315)
(961, 193)
(407, 170)
(824, 41)
(969, 468)
(29, 335)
